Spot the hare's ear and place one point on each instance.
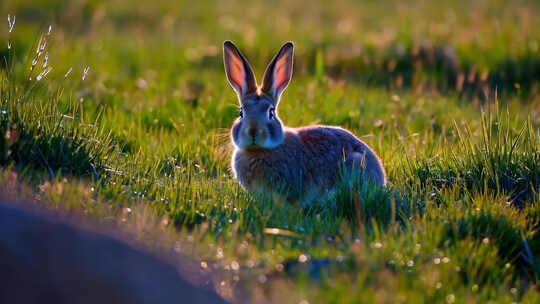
(279, 72)
(238, 71)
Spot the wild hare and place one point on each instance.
(296, 164)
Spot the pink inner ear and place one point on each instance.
(281, 74)
(237, 71)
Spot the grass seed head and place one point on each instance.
(85, 72)
(11, 23)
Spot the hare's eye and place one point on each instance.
(241, 113)
(271, 113)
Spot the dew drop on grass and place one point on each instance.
(141, 83)
(262, 278)
(177, 247)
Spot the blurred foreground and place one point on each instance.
(46, 259)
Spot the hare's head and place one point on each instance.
(258, 126)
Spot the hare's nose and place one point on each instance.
(252, 132)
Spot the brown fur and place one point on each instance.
(306, 164)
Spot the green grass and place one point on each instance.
(147, 129)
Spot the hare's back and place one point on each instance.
(334, 144)
(330, 139)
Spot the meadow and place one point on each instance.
(120, 111)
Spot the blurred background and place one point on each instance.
(468, 47)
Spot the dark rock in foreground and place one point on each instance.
(47, 260)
